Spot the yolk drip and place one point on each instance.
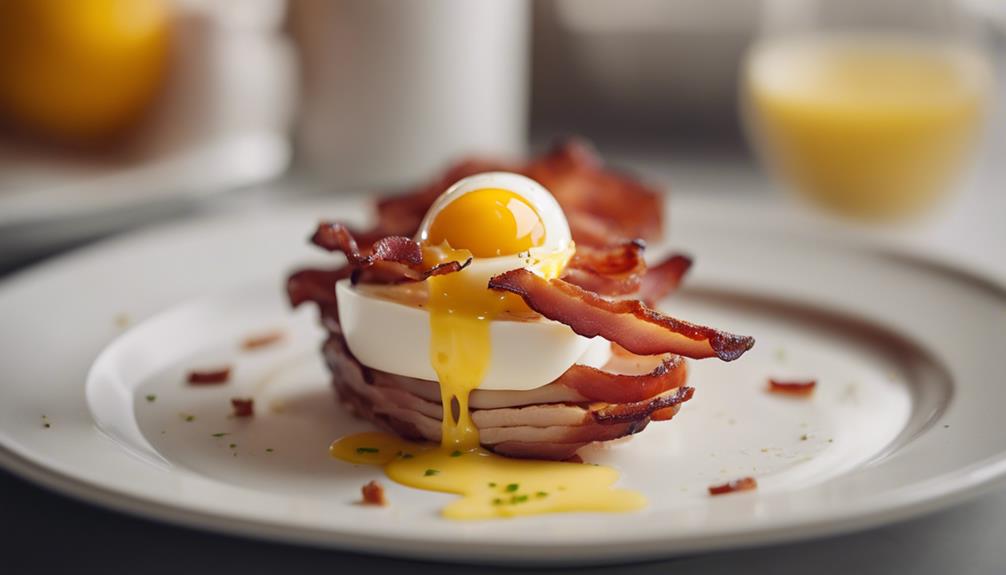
(488, 223)
(483, 223)
(491, 486)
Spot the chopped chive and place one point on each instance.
(367, 450)
(187, 416)
(512, 487)
(430, 472)
(492, 484)
(497, 501)
(221, 434)
(233, 445)
(518, 499)
(151, 398)
(541, 494)
(455, 453)
(268, 450)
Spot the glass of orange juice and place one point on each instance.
(871, 109)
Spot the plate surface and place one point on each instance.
(905, 418)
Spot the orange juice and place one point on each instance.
(872, 126)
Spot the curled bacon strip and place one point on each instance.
(336, 237)
(628, 323)
(611, 270)
(391, 259)
(599, 385)
(663, 279)
(620, 412)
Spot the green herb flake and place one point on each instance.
(512, 487)
(221, 434)
(188, 417)
(492, 484)
(151, 398)
(367, 450)
(430, 472)
(518, 499)
(269, 450)
(541, 494)
(497, 501)
(455, 453)
(232, 445)
(803, 437)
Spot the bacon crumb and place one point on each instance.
(262, 340)
(795, 388)
(209, 376)
(243, 407)
(742, 484)
(373, 494)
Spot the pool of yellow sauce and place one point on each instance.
(490, 486)
(488, 223)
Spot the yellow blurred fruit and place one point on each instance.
(81, 70)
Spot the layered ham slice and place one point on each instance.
(551, 422)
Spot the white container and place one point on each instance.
(393, 91)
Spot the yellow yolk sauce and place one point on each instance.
(491, 486)
(485, 223)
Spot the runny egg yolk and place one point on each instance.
(483, 223)
(488, 223)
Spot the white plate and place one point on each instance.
(906, 418)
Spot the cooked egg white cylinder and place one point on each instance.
(525, 354)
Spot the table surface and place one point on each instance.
(42, 532)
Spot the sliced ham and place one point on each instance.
(542, 430)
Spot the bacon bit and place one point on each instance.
(373, 494)
(262, 340)
(210, 376)
(628, 323)
(792, 388)
(742, 484)
(243, 407)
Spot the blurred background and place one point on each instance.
(883, 118)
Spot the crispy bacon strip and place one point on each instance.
(663, 279)
(628, 323)
(794, 388)
(314, 285)
(600, 204)
(619, 412)
(742, 484)
(611, 270)
(336, 237)
(391, 259)
(599, 385)
(575, 174)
